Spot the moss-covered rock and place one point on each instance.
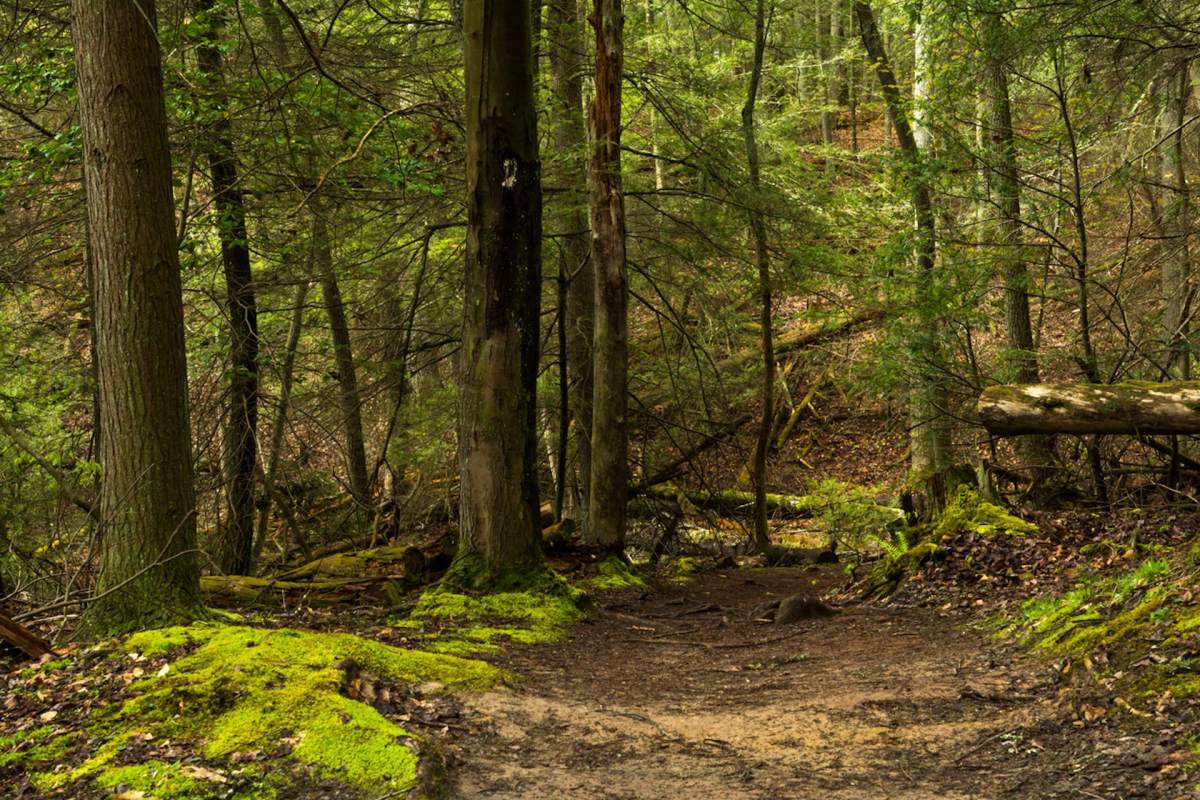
(967, 512)
(241, 689)
(462, 624)
(615, 573)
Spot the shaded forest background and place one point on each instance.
(339, 129)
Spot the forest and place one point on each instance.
(610, 399)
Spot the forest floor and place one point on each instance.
(679, 693)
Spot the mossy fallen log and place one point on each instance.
(1129, 408)
(345, 565)
(732, 502)
(249, 590)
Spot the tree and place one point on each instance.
(499, 518)
(930, 436)
(610, 435)
(758, 227)
(574, 259)
(234, 549)
(148, 569)
(1001, 152)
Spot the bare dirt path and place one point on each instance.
(678, 693)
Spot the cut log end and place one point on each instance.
(23, 639)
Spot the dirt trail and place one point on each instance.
(658, 697)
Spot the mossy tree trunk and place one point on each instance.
(610, 467)
(279, 426)
(148, 566)
(307, 175)
(234, 550)
(499, 519)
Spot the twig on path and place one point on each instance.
(980, 746)
(643, 718)
(718, 645)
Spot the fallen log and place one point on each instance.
(802, 336)
(247, 589)
(23, 639)
(732, 502)
(1130, 408)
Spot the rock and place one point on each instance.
(799, 607)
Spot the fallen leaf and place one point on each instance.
(200, 773)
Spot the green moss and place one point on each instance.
(1097, 612)
(616, 573)
(34, 746)
(245, 689)
(1115, 629)
(158, 779)
(459, 623)
(522, 617)
(49, 666)
(968, 512)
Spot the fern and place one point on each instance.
(895, 547)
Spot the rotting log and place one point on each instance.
(1130, 408)
(23, 639)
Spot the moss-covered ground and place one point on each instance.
(1137, 629)
(239, 694)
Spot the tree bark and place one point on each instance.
(610, 467)
(758, 227)
(23, 639)
(499, 520)
(564, 34)
(1117, 408)
(148, 567)
(234, 549)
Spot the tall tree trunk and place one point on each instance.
(1089, 365)
(610, 466)
(1176, 219)
(349, 401)
(824, 36)
(660, 177)
(148, 569)
(575, 266)
(499, 519)
(281, 414)
(758, 227)
(1036, 451)
(930, 436)
(233, 550)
